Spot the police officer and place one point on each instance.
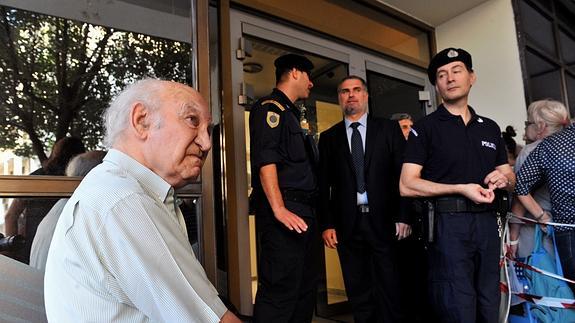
(458, 159)
(283, 160)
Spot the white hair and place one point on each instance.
(117, 116)
(553, 113)
(81, 164)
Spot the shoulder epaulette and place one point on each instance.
(274, 102)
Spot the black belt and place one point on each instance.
(303, 197)
(460, 205)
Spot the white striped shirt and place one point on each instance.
(119, 253)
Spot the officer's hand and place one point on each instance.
(330, 238)
(290, 220)
(477, 194)
(230, 317)
(402, 230)
(496, 179)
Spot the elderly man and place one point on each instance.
(120, 251)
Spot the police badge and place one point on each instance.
(273, 119)
(452, 53)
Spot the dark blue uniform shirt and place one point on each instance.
(276, 137)
(452, 152)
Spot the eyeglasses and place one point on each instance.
(528, 123)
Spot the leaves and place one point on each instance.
(57, 76)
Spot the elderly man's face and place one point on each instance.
(178, 144)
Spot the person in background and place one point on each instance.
(456, 159)
(78, 166)
(25, 214)
(120, 251)
(284, 181)
(405, 122)
(551, 163)
(513, 149)
(544, 118)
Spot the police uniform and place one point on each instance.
(287, 260)
(464, 257)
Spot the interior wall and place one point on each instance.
(488, 33)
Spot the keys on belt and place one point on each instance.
(363, 208)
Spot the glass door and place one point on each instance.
(257, 43)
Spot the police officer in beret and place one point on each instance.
(283, 162)
(457, 160)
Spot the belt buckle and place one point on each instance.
(363, 208)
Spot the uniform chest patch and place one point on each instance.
(273, 119)
(488, 145)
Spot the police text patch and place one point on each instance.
(488, 144)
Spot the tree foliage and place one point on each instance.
(57, 76)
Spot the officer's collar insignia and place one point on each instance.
(479, 120)
(452, 53)
(414, 132)
(273, 119)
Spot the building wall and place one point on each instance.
(488, 33)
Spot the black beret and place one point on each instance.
(445, 57)
(289, 61)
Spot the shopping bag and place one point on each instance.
(546, 286)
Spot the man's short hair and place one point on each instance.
(352, 77)
(401, 116)
(117, 116)
(83, 163)
(446, 56)
(286, 63)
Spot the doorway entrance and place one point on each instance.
(393, 87)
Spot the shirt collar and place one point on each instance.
(286, 102)
(444, 114)
(362, 121)
(148, 179)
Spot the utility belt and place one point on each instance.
(458, 204)
(428, 208)
(298, 196)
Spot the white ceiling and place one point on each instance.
(433, 12)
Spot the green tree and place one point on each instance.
(57, 76)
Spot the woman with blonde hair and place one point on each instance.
(544, 118)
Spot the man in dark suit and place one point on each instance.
(360, 203)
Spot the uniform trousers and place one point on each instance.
(464, 268)
(288, 266)
(371, 275)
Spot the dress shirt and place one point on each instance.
(553, 161)
(361, 197)
(120, 254)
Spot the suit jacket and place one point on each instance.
(383, 159)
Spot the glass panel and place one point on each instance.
(544, 78)
(60, 74)
(564, 14)
(321, 112)
(571, 92)
(567, 48)
(388, 96)
(359, 24)
(539, 28)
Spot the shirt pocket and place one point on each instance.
(295, 143)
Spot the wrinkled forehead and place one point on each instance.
(350, 84)
(189, 101)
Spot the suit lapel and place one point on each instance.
(371, 139)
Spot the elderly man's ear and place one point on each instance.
(140, 120)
